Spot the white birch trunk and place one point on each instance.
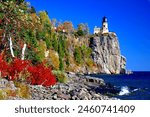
(11, 47)
(23, 51)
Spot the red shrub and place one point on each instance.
(41, 75)
(3, 67)
(16, 67)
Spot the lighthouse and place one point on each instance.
(103, 29)
(105, 25)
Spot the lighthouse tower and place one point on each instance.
(104, 25)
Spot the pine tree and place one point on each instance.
(61, 65)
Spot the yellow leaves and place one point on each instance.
(10, 92)
(44, 17)
(89, 62)
(54, 59)
(41, 50)
(2, 95)
(23, 90)
(34, 17)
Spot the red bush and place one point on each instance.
(16, 67)
(3, 67)
(40, 75)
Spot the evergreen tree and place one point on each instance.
(78, 55)
(55, 44)
(61, 65)
(32, 10)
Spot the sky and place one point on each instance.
(130, 19)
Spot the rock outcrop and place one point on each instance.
(106, 53)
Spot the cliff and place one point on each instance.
(106, 53)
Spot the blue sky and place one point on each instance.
(130, 19)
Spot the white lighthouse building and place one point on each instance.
(104, 28)
(104, 25)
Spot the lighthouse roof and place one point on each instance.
(104, 19)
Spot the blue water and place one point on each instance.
(135, 86)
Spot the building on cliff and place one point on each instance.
(104, 28)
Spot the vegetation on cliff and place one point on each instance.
(32, 44)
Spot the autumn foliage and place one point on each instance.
(41, 75)
(17, 67)
(37, 75)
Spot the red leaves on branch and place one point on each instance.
(38, 75)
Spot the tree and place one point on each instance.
(45, 20)
(54, 21)
(68, 27)
(32, 10)
(54, 60)
(14, 19)
(86, 29)
(86, 51)
(62, 46)
(61, 65)
(55, 43)
(78, 55)
(41, 51)
(83, 29)
(17, 1)
(30, 38)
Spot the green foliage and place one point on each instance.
(55, 43)
(44, 18)
(48, 43)
(61, 65)
(25, 26)
(60, 76)
(40, 35)
(41, 51)
(32, 55)
(78, 55)
(82, 30)
(67, 59)
(30, 38)
(17, 1)
(60, 51)
(86, 51)
(1, 15)
(80, 33)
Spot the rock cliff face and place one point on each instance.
(106, 53)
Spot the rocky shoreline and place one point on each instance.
(78, 87)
